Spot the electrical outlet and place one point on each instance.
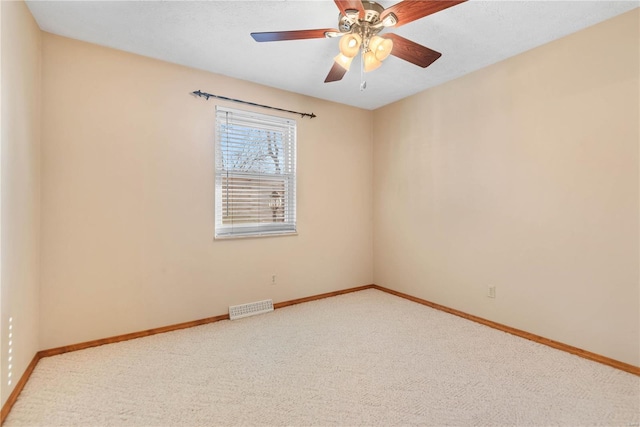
(491, 292)
(273, 279)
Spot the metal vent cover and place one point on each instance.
(250, 309)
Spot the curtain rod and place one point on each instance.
(209, 95)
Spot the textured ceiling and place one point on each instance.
(214, 36)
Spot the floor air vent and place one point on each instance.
(250, 309)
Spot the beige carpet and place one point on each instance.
(366, 358)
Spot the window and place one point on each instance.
(255, 191)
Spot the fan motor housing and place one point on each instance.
(372, 11)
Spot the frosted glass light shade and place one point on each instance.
(370, 62)
(343, 61)
(381, 47)
(350, 45)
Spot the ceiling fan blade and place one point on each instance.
(345, 5)
(336, 73)
(276, 36)
(411, 51)
(410, 10)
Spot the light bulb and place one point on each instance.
(370, 62)
(380, 47)
(343, 61)
(350, 45)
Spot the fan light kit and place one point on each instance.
(359, 23)
(360, 35)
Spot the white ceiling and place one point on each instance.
(214, 36)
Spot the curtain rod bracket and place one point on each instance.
(224, 98)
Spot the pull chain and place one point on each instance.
(363, 83)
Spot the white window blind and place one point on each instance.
(255, 192)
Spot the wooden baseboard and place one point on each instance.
(169, 328)
(131, 336)
(523, 334)
(321, 296)
(6, 408)
(18, 388)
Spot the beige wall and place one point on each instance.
(128, 196)
(524, 176)
(20, 178)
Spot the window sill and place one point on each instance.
(256, 235)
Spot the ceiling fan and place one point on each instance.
(359, 23)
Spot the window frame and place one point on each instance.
(248, 120)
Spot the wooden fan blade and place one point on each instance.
(410, 10)
(345, 5)
(276, 36)
(411, 51)
(336, 73)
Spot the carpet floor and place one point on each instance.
(365, 358)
